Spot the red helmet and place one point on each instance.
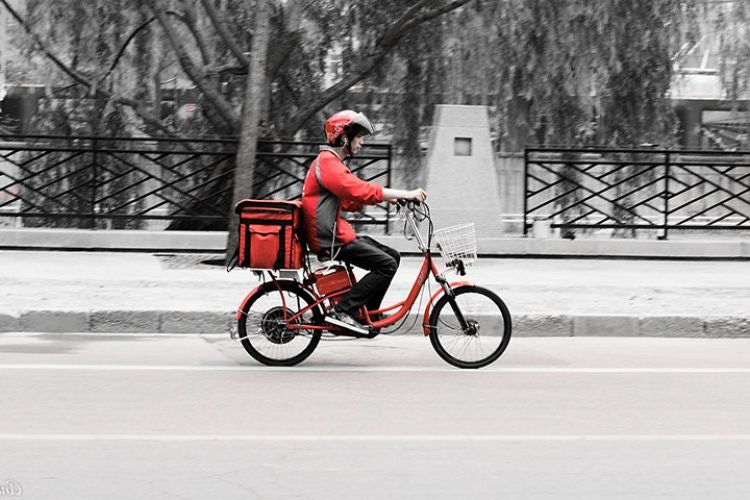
(346, 123)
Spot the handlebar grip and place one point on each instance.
(403, 202)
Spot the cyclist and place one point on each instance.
(330, 188)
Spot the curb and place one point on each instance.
(524, 325)
(507, 246)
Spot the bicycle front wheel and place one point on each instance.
(487, 327)
(264, 330)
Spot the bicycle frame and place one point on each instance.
(403, 307)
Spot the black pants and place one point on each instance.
(382, 262)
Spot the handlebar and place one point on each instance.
(404, 202)
(413, 217)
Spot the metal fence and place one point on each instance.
(637, 189)
(152, 183)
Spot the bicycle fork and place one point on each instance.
(467, 327)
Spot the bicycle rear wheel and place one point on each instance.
(488, 327)
(264, 332)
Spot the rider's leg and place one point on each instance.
(382, 262)
(376, 300)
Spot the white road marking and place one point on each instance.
(220, 368)
(377, 437)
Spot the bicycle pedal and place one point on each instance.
(233, 333)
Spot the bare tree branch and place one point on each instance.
(428, 15)
(277, 55)
(409, 13)
(190, 18)
(130, 38)
(372, 56)
(120, 52)
(233, 69)
(224, 33)
(213, 97)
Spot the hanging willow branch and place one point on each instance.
(220, 104)
(80, 79)
(223, 31)
(370, 58)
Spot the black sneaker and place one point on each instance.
(344, 320)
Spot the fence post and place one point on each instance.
(525, 188)
(94, 180)
(667, 173)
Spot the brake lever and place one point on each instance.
(460, 268)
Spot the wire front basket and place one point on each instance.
(457, 243)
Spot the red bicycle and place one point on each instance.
(280, 323)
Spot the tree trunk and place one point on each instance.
(251, 113)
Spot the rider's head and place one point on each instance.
(344, 127)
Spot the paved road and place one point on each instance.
(145, 416)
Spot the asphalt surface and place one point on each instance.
(192, 416)
(176, 293)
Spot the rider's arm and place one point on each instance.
(336, 178)
(418, 194)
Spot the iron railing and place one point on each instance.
(152, 183)
(637, 189)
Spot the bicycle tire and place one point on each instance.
(261, 329)
(445, 330)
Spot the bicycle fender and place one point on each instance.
(435, 296)
(257, 290)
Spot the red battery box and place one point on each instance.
(331, 280)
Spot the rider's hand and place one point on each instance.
(418, 194)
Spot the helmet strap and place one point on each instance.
(347, 145)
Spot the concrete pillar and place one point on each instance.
(461, 175)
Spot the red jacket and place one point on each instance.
(330, 188)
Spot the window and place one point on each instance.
(462, 146)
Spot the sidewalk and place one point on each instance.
(57, 291)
